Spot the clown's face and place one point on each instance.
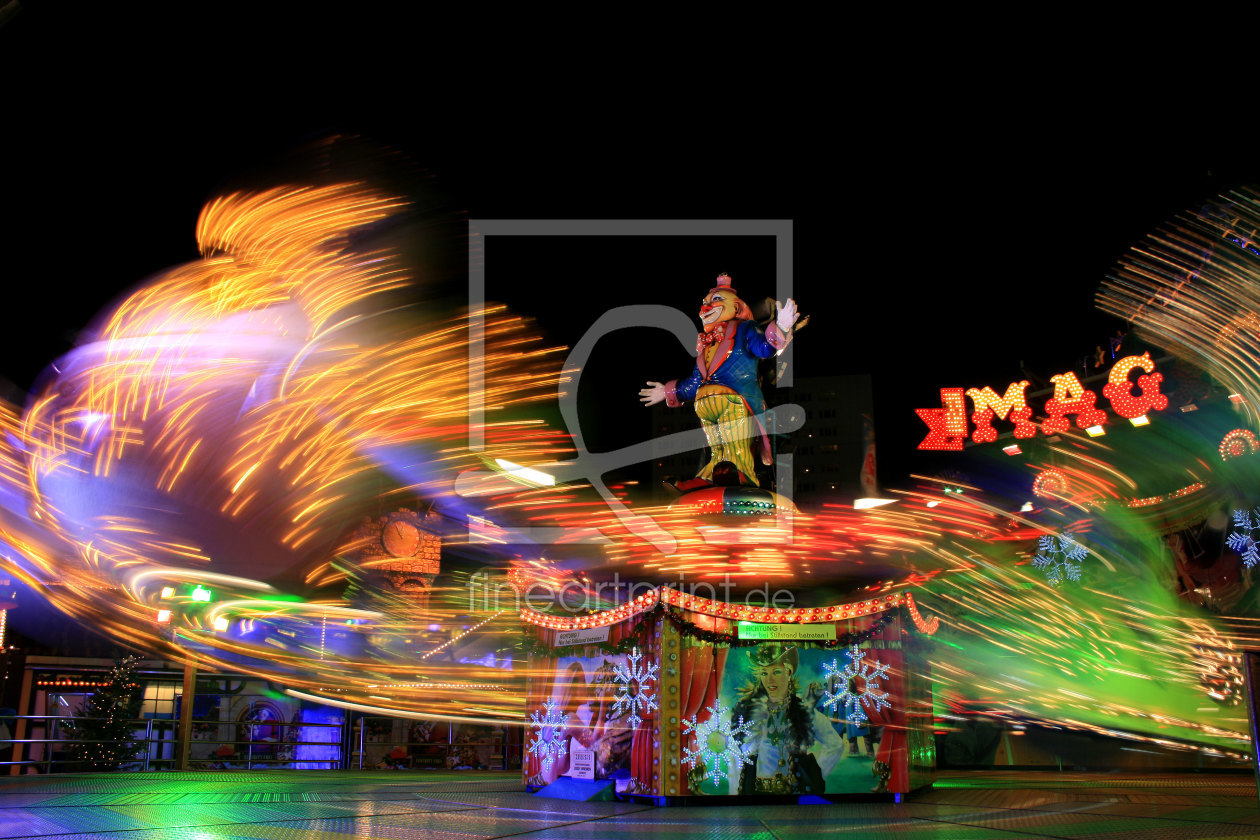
(775, 679)
(718, 307)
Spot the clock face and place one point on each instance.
(401, 538)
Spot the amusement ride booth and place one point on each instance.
(676, 691)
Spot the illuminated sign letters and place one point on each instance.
(947, 425)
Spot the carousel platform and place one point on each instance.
(278, 804)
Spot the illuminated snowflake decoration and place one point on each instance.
(548, 745)
(720, 746)
(632, 691)
(858, 684)
(1243, 539)
(1060, 558)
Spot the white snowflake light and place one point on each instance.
(549, 745)
(858, 686)
(632, 691)
(720, 746)
(1060, 558)
(1243, 540)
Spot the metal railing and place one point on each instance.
(451, 754)
(45, 746)
(289, 751)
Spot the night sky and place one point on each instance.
(938, 243)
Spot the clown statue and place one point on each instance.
(724, 384)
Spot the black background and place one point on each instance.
(944, 233)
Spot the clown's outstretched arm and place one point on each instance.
(652, 394)
(673, 392)
(778, 332)
(785, 315)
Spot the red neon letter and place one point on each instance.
(989, 405)
(1070, 397)
(948, 425)
(1119, 389)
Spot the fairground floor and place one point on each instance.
(969, 805)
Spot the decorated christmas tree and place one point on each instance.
(102, 736)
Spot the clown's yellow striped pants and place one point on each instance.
(730, 429)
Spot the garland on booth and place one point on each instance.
(532, 645)
(637, 637)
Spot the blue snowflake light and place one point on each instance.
(1060, 558)
(720, 746)
(549, 745)
(632, 688)
(858, 686)
(1243, 538)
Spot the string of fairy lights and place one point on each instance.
(673, 598)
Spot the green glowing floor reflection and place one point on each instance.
(287, 805)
